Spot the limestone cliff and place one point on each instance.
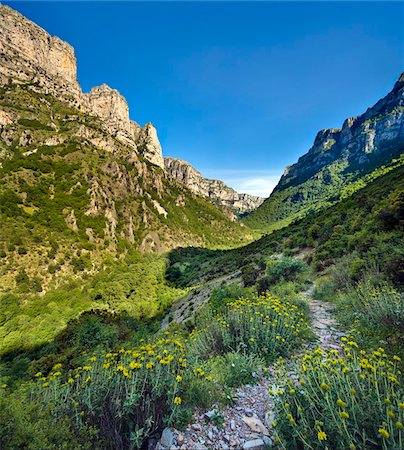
(340, 161)
(376, 134)
(215, 190)
(30, 55)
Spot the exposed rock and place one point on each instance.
(210, 414)
(159, 208)
(111, 106)
(30, 54)
(149, 145)
(255, 425)
(214, 190)
(256, 444)
(338, 161)
(6, 118)
(361, 139)
(71, 221)
(167, 438)
(35, 48)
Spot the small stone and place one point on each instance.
(167, 438)
(180, 439)
(226, 437)
(232, 425)
(210, 436)
(255, 425)
(196, 427)
(256, 444)
(249, 412)
(267, 441)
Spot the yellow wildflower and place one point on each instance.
(321, 435)
(341, 403)
(391, 414)
(177, 401)
(383, 433)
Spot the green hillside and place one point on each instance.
(67, 204)
(367, 225)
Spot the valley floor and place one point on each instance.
(247, 424)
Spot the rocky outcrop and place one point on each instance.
(215, 190)
(149, 145)
(340, 161)
(30, 55)
(376, 134)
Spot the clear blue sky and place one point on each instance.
(238, 89)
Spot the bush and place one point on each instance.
(286, 268)
(127, 395)
(234, 369)
(225, 294)
(350, 402)
(262, 325)
(26, 425)
(324, 289)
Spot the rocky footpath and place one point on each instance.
(246, 425)
(214, 190)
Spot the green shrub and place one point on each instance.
(127, 395)
(286, 268)
(261, 325)
(223, 295)
(234, 369)
(25, 425)
(352, 401)
(324, 289)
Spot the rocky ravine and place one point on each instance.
(247, 424)
(215, 190)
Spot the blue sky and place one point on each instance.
(238, 89)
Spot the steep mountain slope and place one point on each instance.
(232, 202)
(340, 161)
(367, 228)
(79, 180)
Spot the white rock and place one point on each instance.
(256, 444)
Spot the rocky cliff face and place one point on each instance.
(77, 175)
(215, 190)
(30, 55)
(378, 133)
(340, 161)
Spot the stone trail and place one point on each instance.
(247, 423)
